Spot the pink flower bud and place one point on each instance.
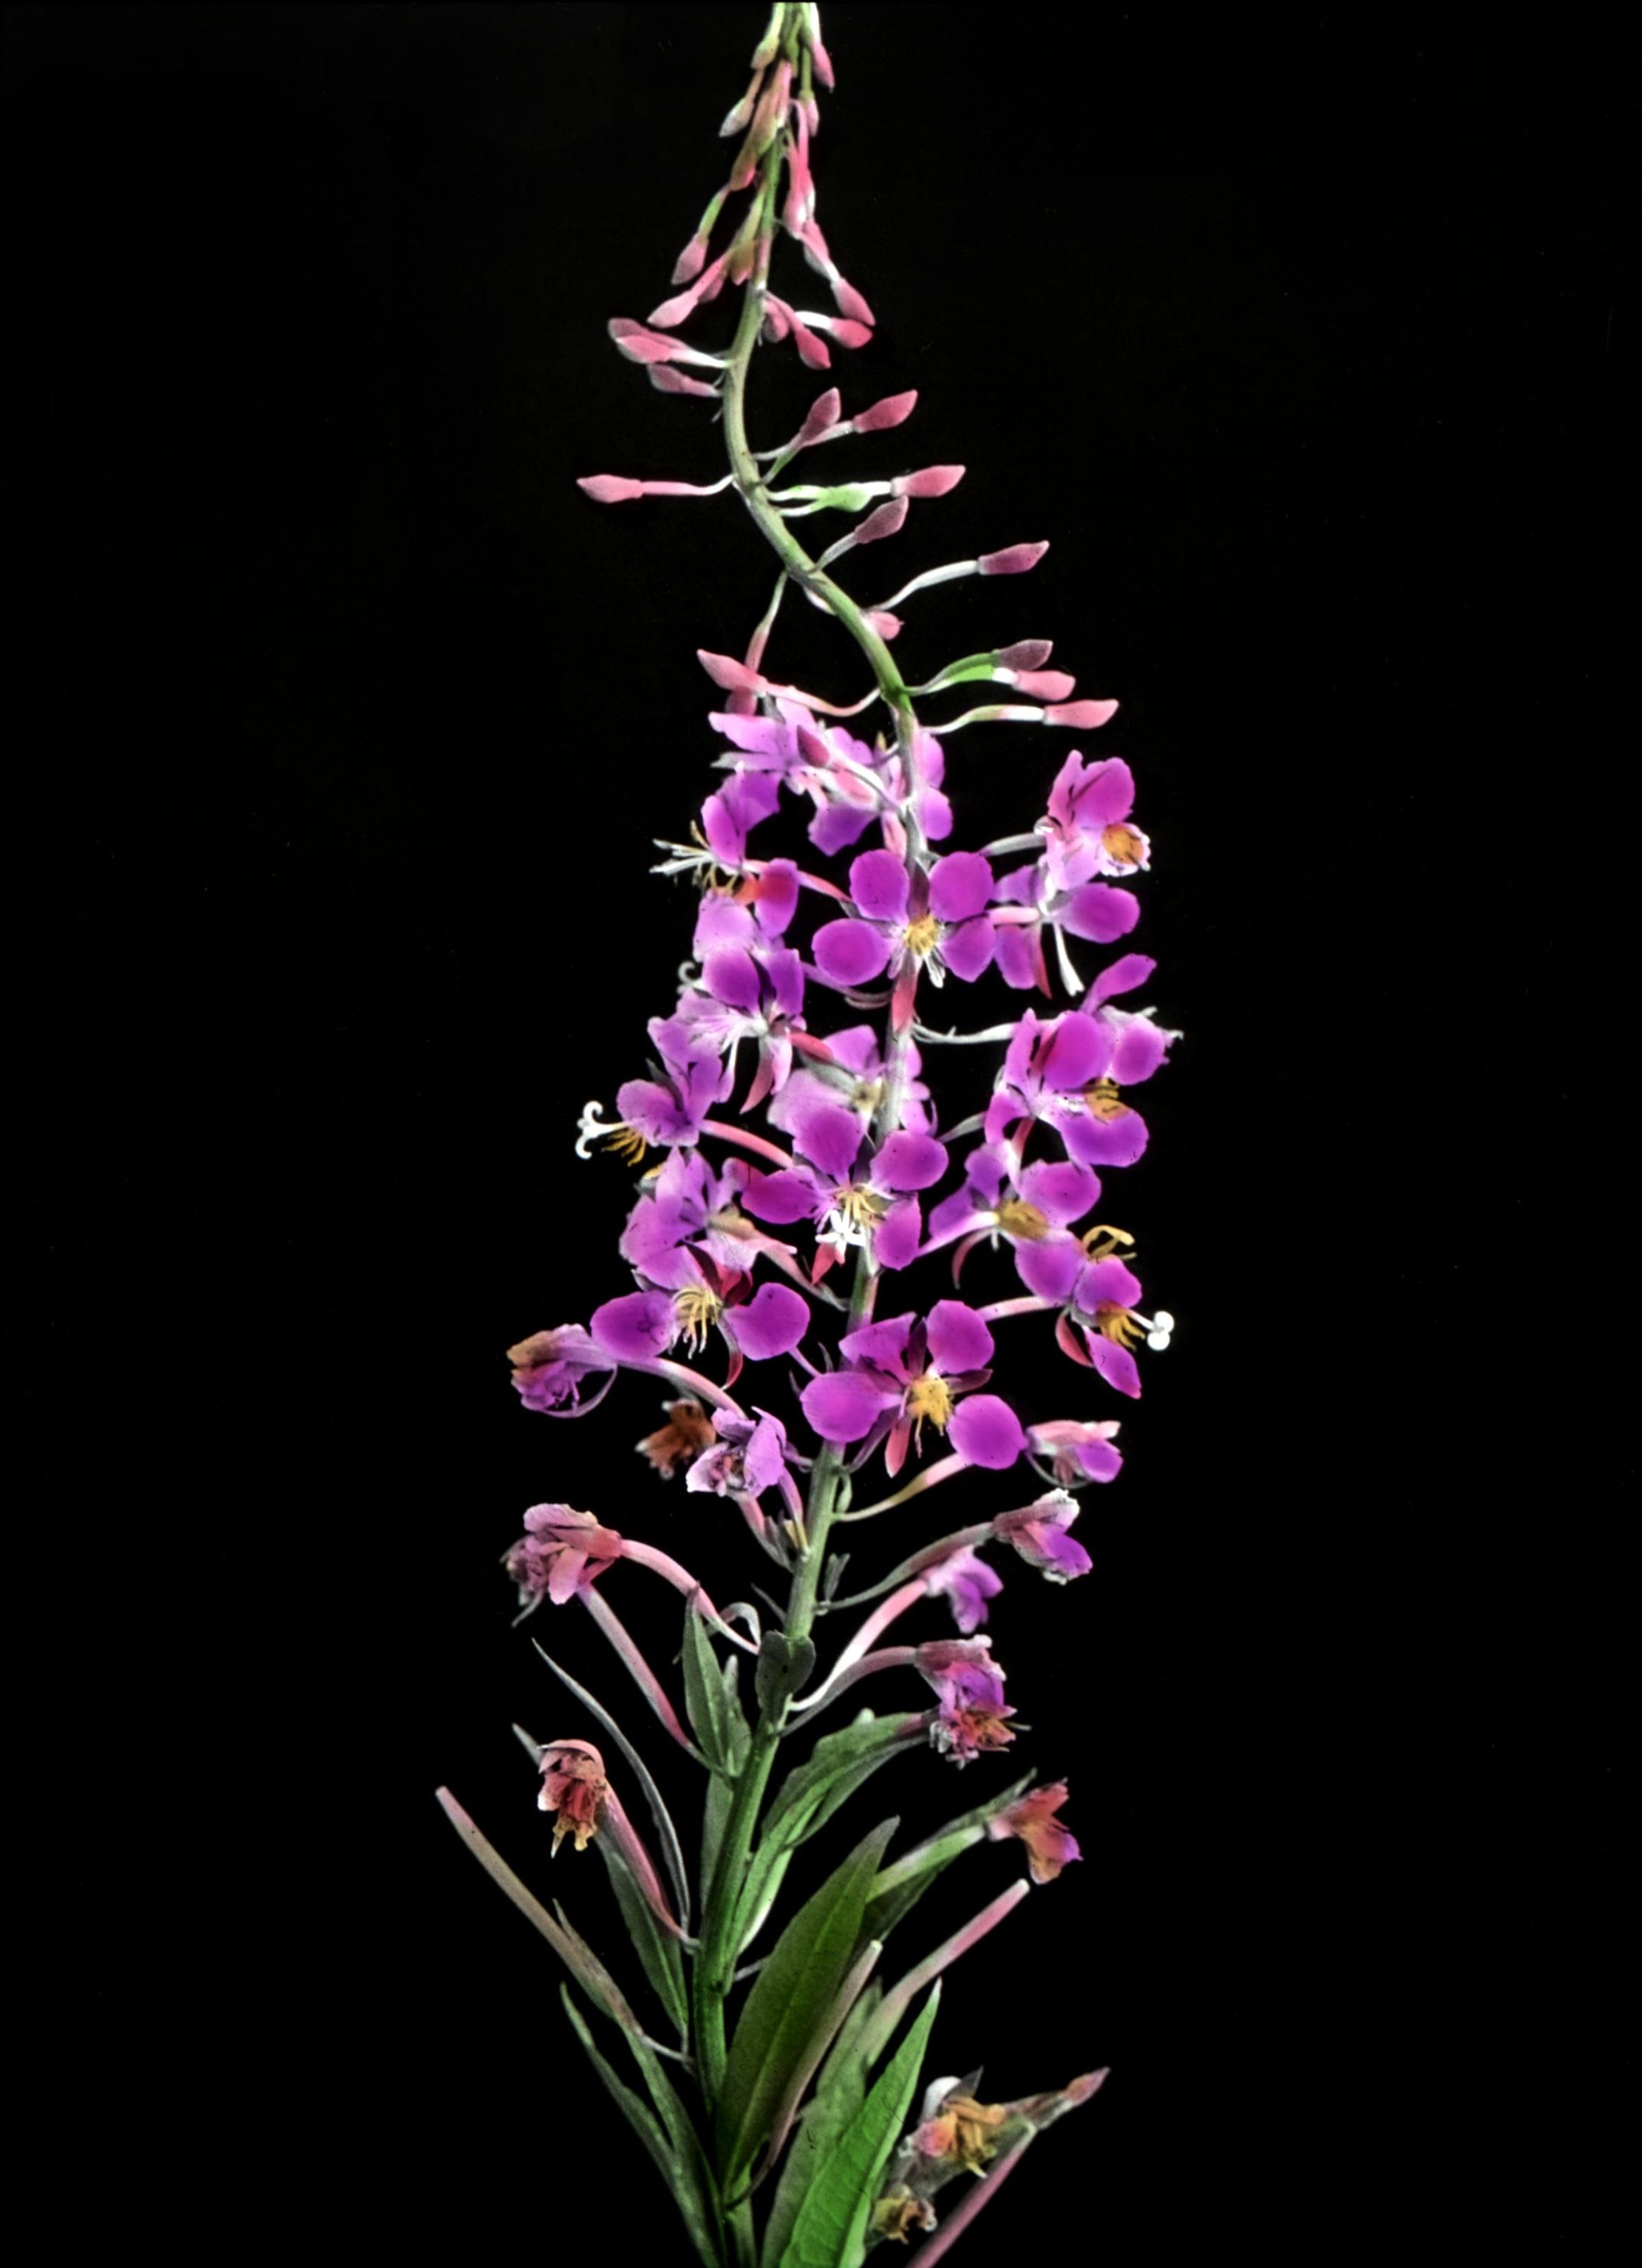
(886, 520)
(610, 488)
(887, 625)
(1029, 654)
(688, 263)
(733, 675)
(1084, 715)
(893, 409)
(821, 417)
(640, 345)
(847, 333)
(1014, 561)
(934, 480)
(851, 301)
(666, 379)
(673, 312)
(823, 61)
(1043, 684)
(782, 320)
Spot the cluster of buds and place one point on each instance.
(793, 1166)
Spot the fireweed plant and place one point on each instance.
(791, 2119)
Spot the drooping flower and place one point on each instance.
(1076, 1449)
(965, 1583)
(1038, 1533)
(957, 2134)
(972, 1713)
(903, 1373)
(686, 1434)
(1057, 1073)
(744, 1456)
(1050, 1845)
(1089, 830)
(562, 1552)
(548, 1368)
(574, 1789)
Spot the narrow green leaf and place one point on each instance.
(842, 1762)
(683, 2179)
(791, 1997)
(657, 1947)
(840, 2091)
(705, 1704)
(899, 1887)
(830, 2228)
(715, 1819)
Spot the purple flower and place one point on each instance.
(970, 1717)
(561, 1552)
(903, 1373)
(1087, 832)
(853, 1201)
(1038, 1533)
(907, 920)
(965, 1583)
(1075, 1450)
(1033, 1211)
(550, 1366)
(1028, 903)
(756, 1325)
(853, 1072)
(668, 1109)
(1102, 1315)
(1057, 1073)
(746, 1458)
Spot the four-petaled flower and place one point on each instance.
(745, 1457)
(865, 1201)
(905, 921)
(1088, 831)
(903, 1373)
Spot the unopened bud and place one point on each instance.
(893, 409)
(1083, 715)
(1016, 560)
(1028, 653)
(934, 480)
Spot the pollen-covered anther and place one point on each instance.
(730, 1221)
(930, 1396)
(1101, 1243)
(1016, 1217)
(922, 935)
(1123, 845)
(1117, 1325)
(697, 1309)
(1101, 1101)
(861, 1207)
(961, 2133)
(896, 2215)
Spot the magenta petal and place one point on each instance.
(883, 1343)
(1099, 912)
(1140, 1048)
(958, 1339)
(1128, 970)
(844, 1406)
(731, 974)
(1050, 1269)
(909, 1161)
(968, 950)
(960, 887)
(827, 1133)
(1107, 793)
(878, 883)
(1016, 952)
(898, 1234)
(1061, 1189)
(782, 1197)
(1108, 1283)
(1116, 1365)
(850, 953)
(635, 1328)
(986, 1432)
(1077, 1052)
(772, 1322)
(1099, 1142)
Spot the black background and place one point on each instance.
(346, 723)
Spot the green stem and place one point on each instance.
(716, 1962)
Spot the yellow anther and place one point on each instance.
(1017, 1218)
(930, 1396)
(1101, 1102)
(862, 1208)
(1117, 1325)
(1101, 1243)
(697, 1309)
(923, 935)
(1122, 844)
(628, 1143)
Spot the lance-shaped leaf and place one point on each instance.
(685, 2173)
(899, 1887)
(657, 1947)
(710, 1701)
(791, 1997)
(829, 2228)
(840, 1764)
(578, 1957)
(839, 2094)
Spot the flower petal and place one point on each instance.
(848, 953)
(844, 1405)
(772, 1322)
(960, 886)
(986, 1432)
(878, 883)
(958, 1339)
